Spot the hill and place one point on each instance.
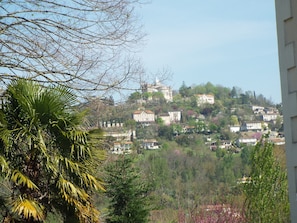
(196, 148)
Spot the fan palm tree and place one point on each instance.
(46, 162)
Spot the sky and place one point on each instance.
(228, 43)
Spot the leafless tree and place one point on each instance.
(84, 44)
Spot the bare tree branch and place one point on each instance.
(83, 44)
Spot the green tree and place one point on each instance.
(160, 121)
(224, 172)
(245, 99)
(245, 157)
(183, 140)
(193, 102)
(184, 90)
(234, 120)
(200, 126)
(210, 88)
(177, 129)
(147, 95)
(46, 163)
(234, 93)
(146, 132)
(158, 96)
(134, 96)
(213, 127)
(130, 124)
(277, 125)
(166, 132)
(127, 191)
(267, 190)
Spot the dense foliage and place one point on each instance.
(190, 180)
(46, 163)
(187, 177)
(266, 189)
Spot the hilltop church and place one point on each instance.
(158, 87)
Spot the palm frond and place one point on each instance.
(70, 192)
(98, 133)
(96, 138)
(28, 209)
(79, 148)
(90, 180)
(5, 137)
(51, 162)
(80, 151)
(41, 143)
(3, 122)
(70, 165)
(24, 93)
(4, 165)
(20, 179)
(64, 94)
(87, 213)
(76, 135)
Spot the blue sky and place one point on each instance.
(228, 43)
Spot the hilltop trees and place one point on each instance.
(46, 163)
(83, 44)
(225, 95)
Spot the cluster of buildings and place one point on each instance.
(205, 99)
(122, 140)
(146, 117)
(249, 132)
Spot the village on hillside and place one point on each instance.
(247, 123)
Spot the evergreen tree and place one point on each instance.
(233, 93)
(184, 90)
(127, 192)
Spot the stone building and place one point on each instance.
(158, 87)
